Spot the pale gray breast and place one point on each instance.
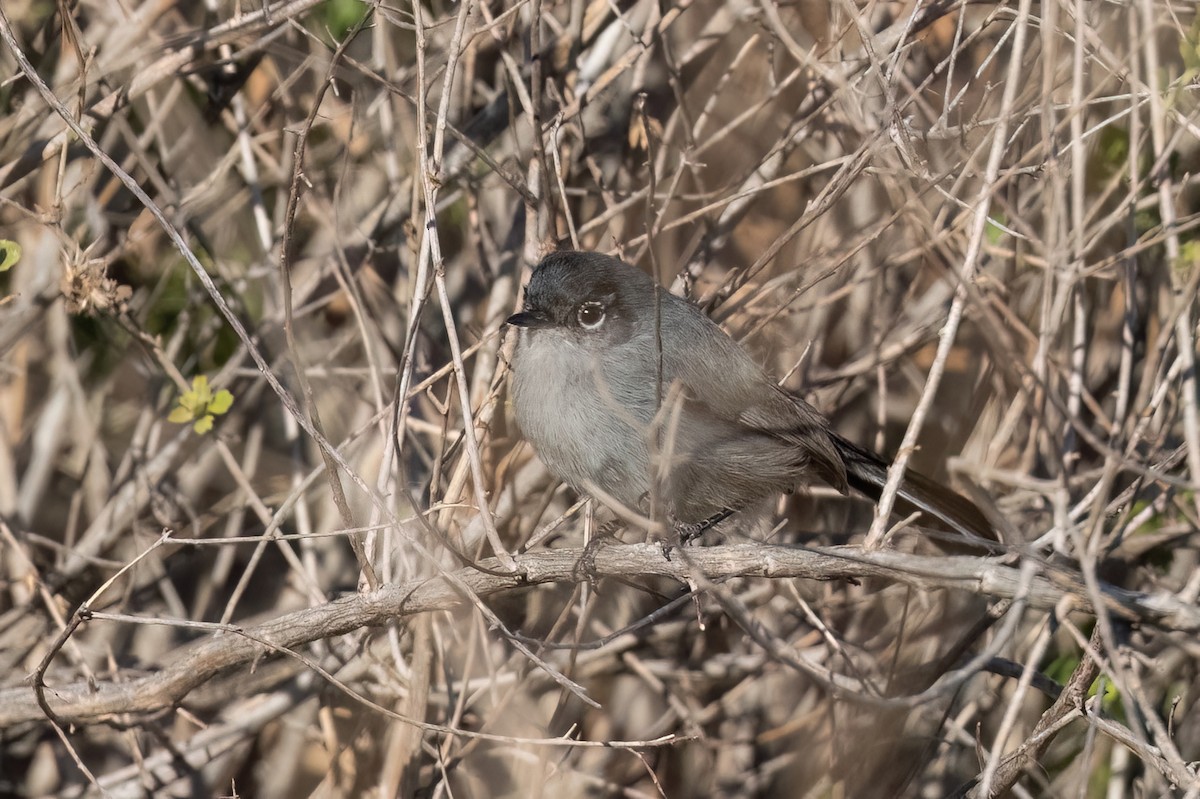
(588, 426)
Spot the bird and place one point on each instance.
(631, 394)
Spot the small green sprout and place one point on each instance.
(10, 253)
(200, 405)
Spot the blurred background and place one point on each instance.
(983, 213)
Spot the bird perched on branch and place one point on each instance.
(633, 395)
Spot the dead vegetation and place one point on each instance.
(965, 230)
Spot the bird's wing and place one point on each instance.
(715, 372)
(724, 382)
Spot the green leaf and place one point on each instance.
(1061, 668)
(1189, 46)
(200, 404)
(1189, 257)
(342, 15)
(201, 393)
(221, 402)
(10, 253)
(1111, 696)
(995, 231)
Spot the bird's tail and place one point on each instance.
(866, 471)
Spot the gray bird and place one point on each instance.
(626, 392)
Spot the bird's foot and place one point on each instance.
(602, 538)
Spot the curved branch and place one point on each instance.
(192, 665)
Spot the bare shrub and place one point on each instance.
(963, 230)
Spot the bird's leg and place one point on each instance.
(602, 537)
(690, 532)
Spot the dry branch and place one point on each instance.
(195, 664)
(834, 183)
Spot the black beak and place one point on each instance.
(525, 319)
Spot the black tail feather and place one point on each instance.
(867, 472)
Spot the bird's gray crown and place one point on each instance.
(565, 281)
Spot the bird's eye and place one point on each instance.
(590, 315)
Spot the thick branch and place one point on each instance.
(199, 662)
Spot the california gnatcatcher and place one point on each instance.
(633, 395)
